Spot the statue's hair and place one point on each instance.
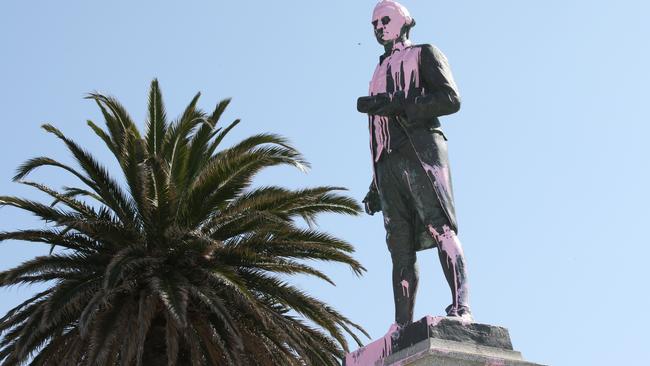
(401, 9)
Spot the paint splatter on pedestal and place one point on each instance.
(439, 341)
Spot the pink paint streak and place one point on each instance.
(405, 288)
(406, 58)
(403, 57)
(431, 321)
(440, 175)
(449, 243)
(373, 353)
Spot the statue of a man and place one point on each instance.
(411, 87)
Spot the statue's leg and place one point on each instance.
(398, 220)
(450, 251)
(452, 259)
(405, 272)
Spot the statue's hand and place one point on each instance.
(372, 203)
(371, 104)
(387, 105)
(392, 106)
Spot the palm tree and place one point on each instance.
(185, 262)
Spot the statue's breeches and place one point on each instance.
(409, 203)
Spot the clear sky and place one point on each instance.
(549, 151)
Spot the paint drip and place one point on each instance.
(402, 67)
(448, 242)
(440, 176)
(405, 288)
(373, 353)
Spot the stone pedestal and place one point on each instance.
(440, 341)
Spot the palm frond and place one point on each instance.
(102, 183)
(156, 120)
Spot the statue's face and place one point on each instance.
(388, 21)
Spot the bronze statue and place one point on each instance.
(411, 87)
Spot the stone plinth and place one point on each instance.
(440, 341)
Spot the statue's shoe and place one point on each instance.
(462, 313)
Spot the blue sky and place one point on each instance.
(549, 152)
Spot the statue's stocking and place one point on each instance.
(452, 259)
(405, 285)
(399, 238)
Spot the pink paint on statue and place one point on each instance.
(448, 242)
(403, 57)
(373, 353)
(405, 288)
(407, 60)
(378, 82)
(398, 14)
(379, 123)
(440, 175)
(431, 321)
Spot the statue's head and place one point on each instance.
(391, 22)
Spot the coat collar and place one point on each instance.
(397, 47)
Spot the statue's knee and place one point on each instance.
(447, 240)
(403, 258)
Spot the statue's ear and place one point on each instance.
(406, 31)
